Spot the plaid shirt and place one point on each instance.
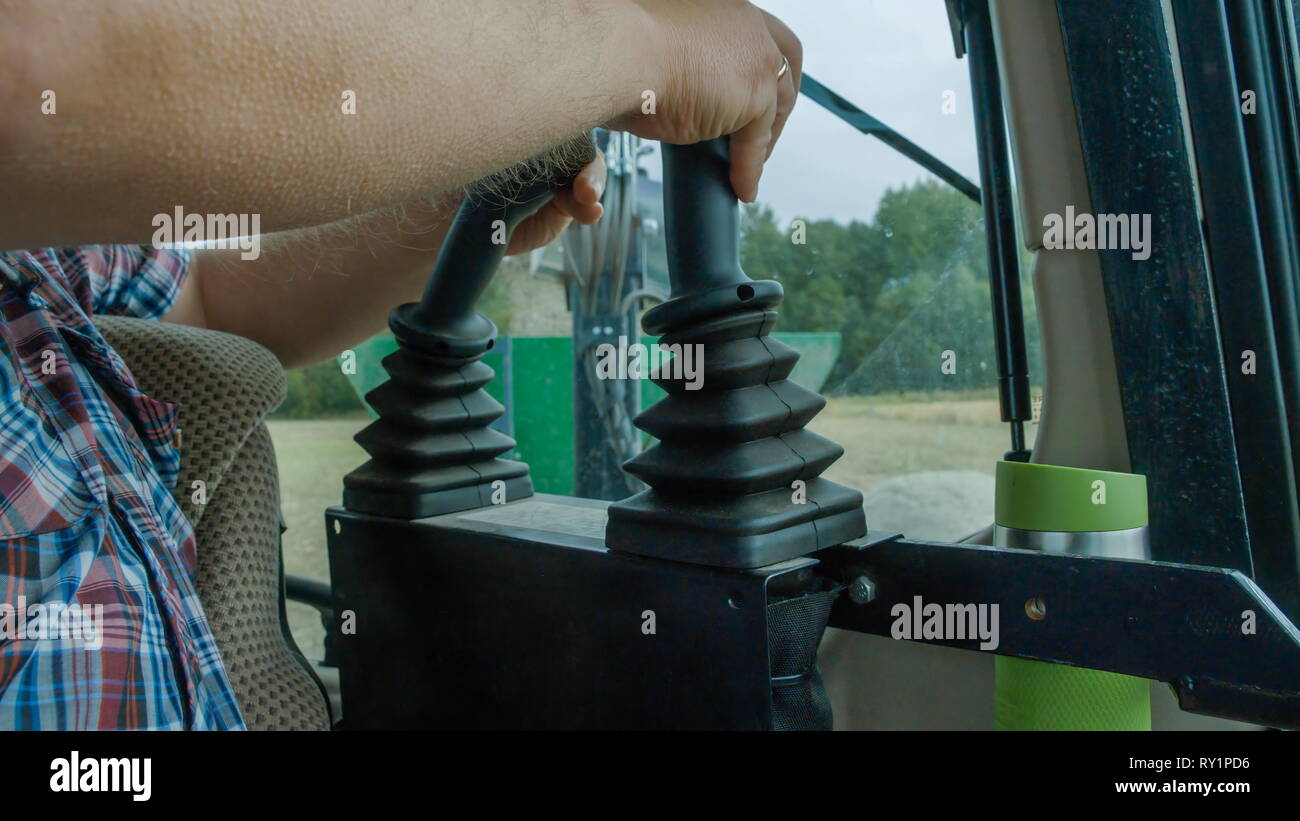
(100, 624)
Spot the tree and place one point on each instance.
(901, 290)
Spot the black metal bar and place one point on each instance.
(1242, 298)
(1260, 64)
(999, 226)
(603, 437)
(867, 124)
(1270, 174)
(1177, 623)
(598, 454)
(1167, 350)
(1278, 38)
(312, 592)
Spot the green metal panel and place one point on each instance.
(543, 390)
(541, 379)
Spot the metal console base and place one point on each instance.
(517, 616)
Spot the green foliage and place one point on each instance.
(316, 391)
(900, 290)
(497, 302)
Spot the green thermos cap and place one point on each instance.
(1068, 500)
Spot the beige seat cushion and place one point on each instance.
(226, 385)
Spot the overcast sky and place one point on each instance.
(892, 58)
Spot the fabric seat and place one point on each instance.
(229, 490)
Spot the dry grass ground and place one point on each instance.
(313, 456)
(894, 436)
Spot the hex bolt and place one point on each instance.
(862, 590)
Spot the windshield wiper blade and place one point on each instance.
(867, 124)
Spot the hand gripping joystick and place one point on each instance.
(735, 477)
(431, 450)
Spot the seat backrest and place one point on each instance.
(229, 490)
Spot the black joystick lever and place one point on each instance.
(431, 450)
(735, 476)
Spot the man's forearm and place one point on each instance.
(313, 293)
(210, 121)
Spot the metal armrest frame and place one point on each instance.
(1211, 633)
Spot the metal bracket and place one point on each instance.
(1211, 633)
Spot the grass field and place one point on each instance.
(892, 436)
(924, 462)
(313, 456)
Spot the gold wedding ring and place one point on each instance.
(785, 67)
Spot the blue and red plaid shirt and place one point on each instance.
(100, 624)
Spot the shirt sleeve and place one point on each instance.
(134, 280)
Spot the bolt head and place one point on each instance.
(862, 590)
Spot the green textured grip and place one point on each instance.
(1035, 695)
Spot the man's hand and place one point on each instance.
(339, 285)
(309, 118)
(725, 61)
(580, 200)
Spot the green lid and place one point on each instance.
(1068, 500)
